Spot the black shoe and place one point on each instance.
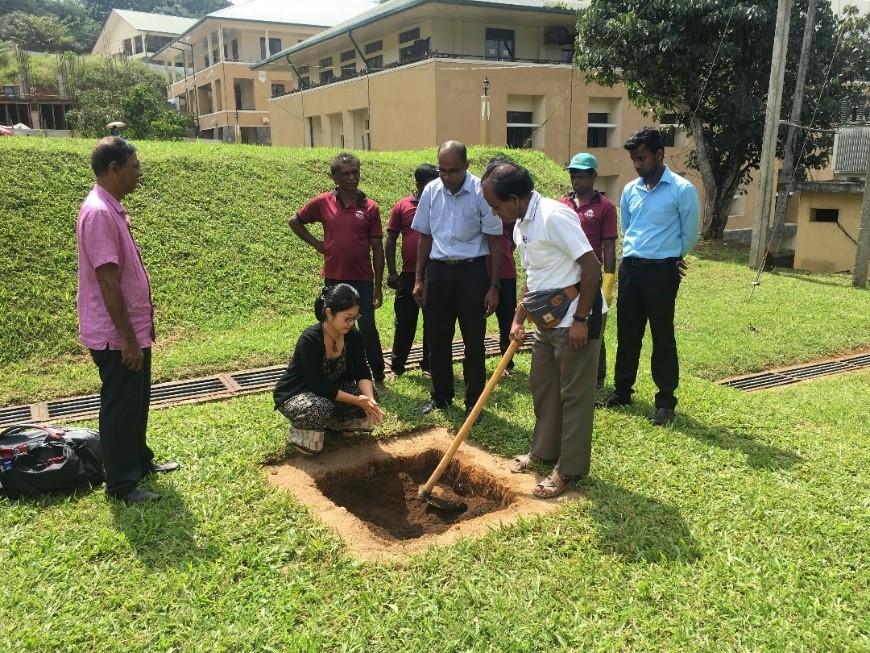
(140, 495)
(165, 468)
(613, 401)
(662, 417)
(479, 415)
(429, 406)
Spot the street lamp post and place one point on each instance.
(485, 115)
(238, 129)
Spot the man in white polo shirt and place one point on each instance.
(556, 256)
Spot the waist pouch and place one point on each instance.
(547, 308)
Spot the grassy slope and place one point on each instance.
(232, 284)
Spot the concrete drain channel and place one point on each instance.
(787, 376)
(211, 388)
(367, 493)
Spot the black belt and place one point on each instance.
(634, 260)
(458, 261)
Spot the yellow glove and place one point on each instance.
(607, 287)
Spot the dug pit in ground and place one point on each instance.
(368, 493)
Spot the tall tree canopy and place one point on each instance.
(708, 62)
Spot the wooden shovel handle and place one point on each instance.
(469, 421)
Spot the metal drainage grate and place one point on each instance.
(15, 415)
(776, 378)
(203, 389)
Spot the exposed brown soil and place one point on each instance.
(384, 494)
(349, 473)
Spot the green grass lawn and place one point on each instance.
(742, 528)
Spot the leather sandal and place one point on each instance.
(550, 487)
(522, 463)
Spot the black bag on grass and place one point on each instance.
(39, 459)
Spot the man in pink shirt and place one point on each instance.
(116, 320)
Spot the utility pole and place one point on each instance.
(788, 159)
(862, 253)
(771, 123)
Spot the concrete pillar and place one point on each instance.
(221, 41)
(349, 130)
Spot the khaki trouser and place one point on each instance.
(563, 391)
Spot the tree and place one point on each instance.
(127, 91)
(708, 62)
(48, 25)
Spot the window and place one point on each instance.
(327, 76)
(409, 35)
(348, 69)
(303, 70)
(348, 55)
(304, 82)
(603, 118)
(128, 47)
(325, 63)
(263, 53)
(234, 49)
(824, 215)
(278, 89)
(598, 129)
(274, 46)
(520, 128)
(417, 50)
(140, 45)
(499, 44)
(375, 46)
(205, 58)
(215, 55)
(237, 95)
(669, 128)
(567, 56)
(375, 63)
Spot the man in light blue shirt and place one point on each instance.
(458, 231)
(659, 215)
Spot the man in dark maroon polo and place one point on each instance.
(598, 218)
(405, 306)
(352, 249)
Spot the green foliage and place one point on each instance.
(48, 25)
(710, 60)
(108, 89)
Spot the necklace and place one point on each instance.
(334, 341)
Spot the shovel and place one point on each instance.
(447, 499)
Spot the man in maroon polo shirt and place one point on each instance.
(598, 218)
(352, 249)
(405, 306)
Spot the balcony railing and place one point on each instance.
(434, 54)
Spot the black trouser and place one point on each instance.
(124, 399)
(456, 292)
(406, 310)
(647, 291)
(367, 328)
(602, 355)
(507, 308)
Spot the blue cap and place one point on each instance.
(583, 161)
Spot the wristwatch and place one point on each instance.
(580, 318)
(496, 285)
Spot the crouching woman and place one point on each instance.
(328, 386)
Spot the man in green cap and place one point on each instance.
(598, 218)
